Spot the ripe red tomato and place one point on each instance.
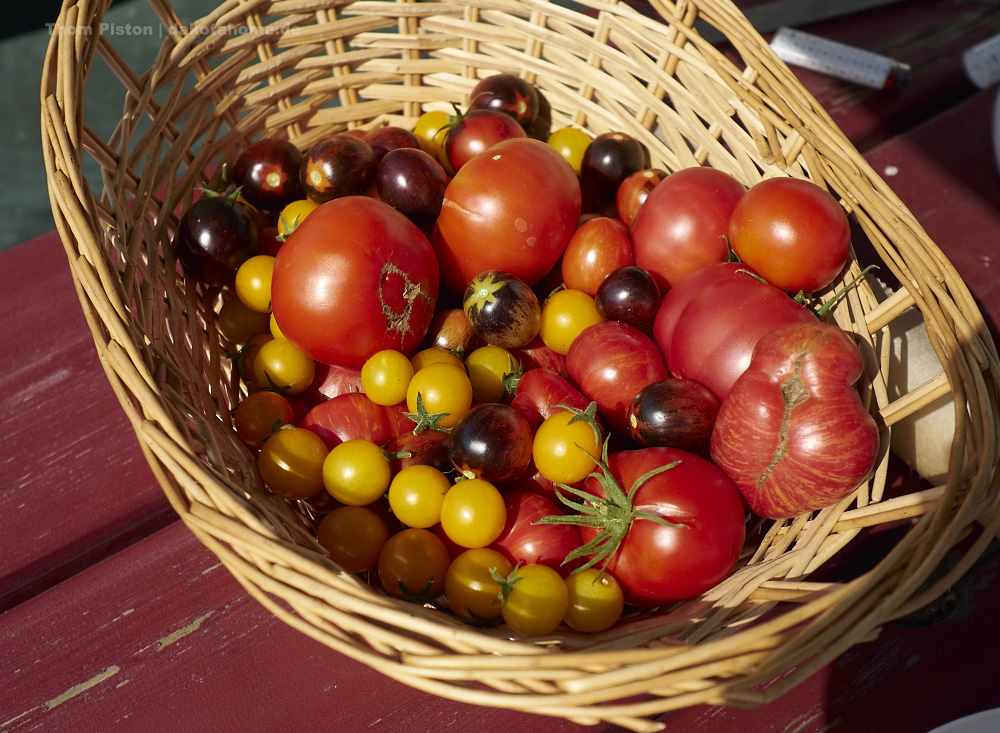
(610, 362)
(793, 434)
(476, 131)
(352, 415)
(658, 563)
(525, 541)
(539, 393)
(598, 247)
(792, 232)
(355, 277)
(513, 209)
(707, 326)
(683, 223)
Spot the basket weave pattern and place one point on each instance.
(302, 69)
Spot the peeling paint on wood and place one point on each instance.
(182, 632)
(82, 687)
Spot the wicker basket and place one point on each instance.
(305, 68)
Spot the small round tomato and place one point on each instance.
(571, 143)
(283, 366)
(596, 601)
(237, 322)
(502, 309)
(433, 355)
(354, 537)
(488, 366)
(259, 415)
(535, 600)
(385, 377)
(293, 215)
(431, 128)
(597, 248)
(470, 588)
(439, 393)
(792, 232)
(565, 314)
(416, 494)
(412, 565)
(473, 513)
(491, 441)
(291, 463)
(253, 283)
(566, 446)
(356, 472)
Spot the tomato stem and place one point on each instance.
(843, 291)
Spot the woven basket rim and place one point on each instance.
(768, 124)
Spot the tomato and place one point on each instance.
(438, 395)
(267, 173)
(469, 586)
(237, 322)
(535, 599)
(450, 330)
(707, 325)
(353, 415)
(253, 283)
(610, 158)
(246, 359)
(630, 295)
(678, 535)
(682, 225)
(477, 131)
(673, 412)
(542, 392)
(430, 130)
(385, 377)
(610, 362)
(412, 565)
(793, 434)
(567, 445)
(523, 540)
(291, 463)
(507, 93)
(596, 601)
(598, 247)
(571, 143)
(416, 494)
(331, 381)
(633, 192)
(294, 214)
(356, 472)
(354, 537)
(283, 366)
(473, 513)
(564, 316)
(433, 355)
(512, 210)
(336, 166)
(488, 367)
(502, 309)
(491, 441)
(354, 278)
(792, 232)
(214, 236)
(259, 415)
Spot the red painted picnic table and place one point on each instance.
(113, 616)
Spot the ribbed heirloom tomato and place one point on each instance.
(355, 277)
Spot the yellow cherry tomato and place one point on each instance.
(445, 394)
(487, 367)
(284, 367)
(356, 472)
(291, 463)
(473, 513)
(565, 314)
(571, 143)
(385, 376)
(433, 355)
(416, 494)
(293, 215)
(253, 283)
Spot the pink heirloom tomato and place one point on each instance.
(511, 208)
(683, 224)
(709, 323)
(354, 278)
(793, 434)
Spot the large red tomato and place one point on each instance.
(793, 434)
(513, 207)
(354, 278)
(792, 232)
(699, 546)
(682, 225)
(708, 325)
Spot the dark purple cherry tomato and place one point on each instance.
(475, 132)
(502, 309)
(630, 295)
(507, 93)
(384, 139)
(336, 166)
(609, 159)
(673, 412)
(214, 237)
(491, 441)
(267, 173)
(542, 126)
(411, 181)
